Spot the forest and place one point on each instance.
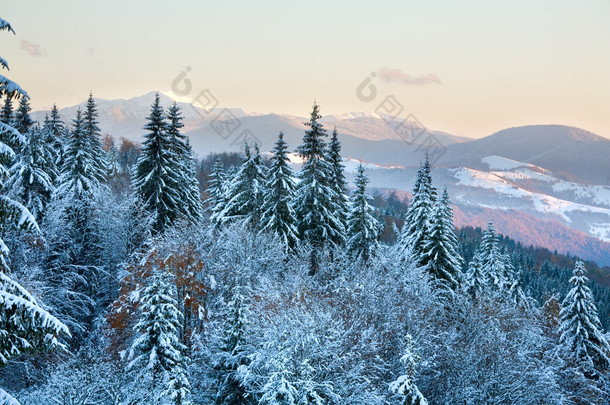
(139, 274)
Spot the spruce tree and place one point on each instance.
(33, 174)
(278, 213)
(316, 200)
(23, 122)
(362, 227)
(245, 195)
(416, 231)
(56, 135)
(476, 277)
(155, 177)
(492, 259)
(93, 134)
(156, 354)
(233, 355)
(81, 176)
(217, 190)
(338, 182)
(442, 245)
(190, 197)
(6, 115)
(404, 386)
(579, 324)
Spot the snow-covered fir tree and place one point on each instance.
(81, 176)
(579, 324)
(217, 190)
(156, 356)
(278, 213)
(492, 259)
(25, 326)
(363, 229)
(338, 182)
(156, 175)
(404, 386)
(6, 114)
(33, 174)
(316, 199)
(279, 390)
(22, 121)
(444, 261)
(246, 191)
(56, 135)
(476, 277)
(93, 134)
(416, 231)
(232, 359)
(190, 197)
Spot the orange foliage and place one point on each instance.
(185, 264)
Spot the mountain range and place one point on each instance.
(546, 185)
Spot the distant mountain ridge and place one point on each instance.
(547, 178)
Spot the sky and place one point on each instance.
(469, 68)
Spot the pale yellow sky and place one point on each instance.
(469, 68)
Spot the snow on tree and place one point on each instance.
(278, 390)
(22, 121)
(404, 386)
(231, 363)
(416, 230)
(338, 182)
(157, 355)
(33, 174)
(245, 193)
(363, 229)
(114, 167)
(217, 189)
(155, 177)
(6, 114)
(278, 213)
(579, 325)
(190, 199)
(492, 259)
(444, 261)
(25, 327)
(316, 199)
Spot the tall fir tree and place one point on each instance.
(316, 200)
(278, 213)
(93, 134)
(579, 326)
(417, 228)
(6, 114)
(476, 278)
(338, 182)
(22, 121)
(190, 200)
(33, 174)
(157, 354)
(81, 176)
(155, 177)
(363, 228)
(233, 355)
(445, 262)
(492, 259)
(245, 195)
(56, 135)
(217, 189)
(26, 327)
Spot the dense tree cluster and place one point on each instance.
(273, 286)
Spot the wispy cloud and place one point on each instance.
(398, 76)
(32, 48)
